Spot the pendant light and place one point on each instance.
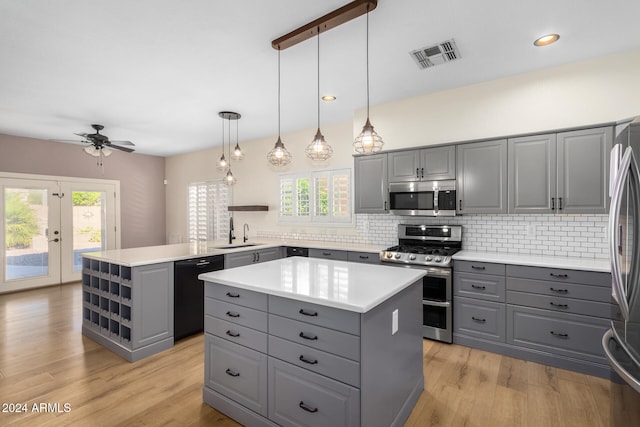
(237, 152)
(228, 179)
(368, 142)
(319, 149)
(279, 155)
(222, 163)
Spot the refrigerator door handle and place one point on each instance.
(617, 290)
(614, 166)
(630, 379)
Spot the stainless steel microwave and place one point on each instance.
(423, 198)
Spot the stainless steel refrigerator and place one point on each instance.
(622, 342)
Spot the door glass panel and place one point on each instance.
(26, 213)
(89, 224)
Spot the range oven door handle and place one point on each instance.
(443, 304)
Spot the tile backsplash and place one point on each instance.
(582, 236)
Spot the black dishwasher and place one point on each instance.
(188, 294)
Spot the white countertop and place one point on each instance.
(339, 284)
(586, 264)
(135, 257)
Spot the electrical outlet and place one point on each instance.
(394, 322)
(531, 230)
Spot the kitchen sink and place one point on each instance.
(234, 246)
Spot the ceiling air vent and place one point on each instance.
(431, 56)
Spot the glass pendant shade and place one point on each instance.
(279, 156)
(319, 149)
(222, 163)
(237, 153)
(368, 141)
(229, 179)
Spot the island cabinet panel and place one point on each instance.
(128, 310)
(548, 315)
(325, 366)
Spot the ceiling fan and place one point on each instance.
(100, 145)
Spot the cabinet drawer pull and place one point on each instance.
(559, 335)
(478, 287)
(326, 253)
(477, 267)
(308, 337)
(309, 361)
(233, 295)
(233, 334)
(364, 256)
(232, 314)
(559, 276)
(307, 408)
(232, 373)
(553, 304)
(307, 313)
(478, 319)
(560, 291)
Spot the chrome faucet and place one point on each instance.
(244, 231)
(231, 235)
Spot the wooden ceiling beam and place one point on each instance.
(325, 23)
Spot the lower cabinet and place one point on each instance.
(275, 361)
(239, 259)
(547, 315)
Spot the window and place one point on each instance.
(208, 211)
(319, 197)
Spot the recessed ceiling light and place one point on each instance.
(328, 98)
(547, 39)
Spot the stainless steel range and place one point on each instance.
(430, 247)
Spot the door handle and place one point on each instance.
(421, 172)
(417, 173)
(559, 203)
(56, 240)
(553, 203)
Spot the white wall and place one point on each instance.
(589, 92)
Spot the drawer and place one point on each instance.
(329, 254)
(482, 319)
(570, 290)
(482, 286)
(329, 317)
(298, 397)
(479, 267)
(560, 275)
(236, 372)
(332, 341)
(237, 296)
(237, 314)
(236, 333)
(321, 362)
(566, 305)
(565, 334)
(367, 257)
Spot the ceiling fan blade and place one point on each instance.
(117, 147)
(70, 140)
(84, 135)
(122, 143)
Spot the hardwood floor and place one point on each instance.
(45, 359)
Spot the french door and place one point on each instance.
(47, 222)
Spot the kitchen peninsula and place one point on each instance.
(310, 341)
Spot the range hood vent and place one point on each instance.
(430, 56)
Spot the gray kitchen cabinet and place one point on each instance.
(371, 185)
(238, 259)
(583, 171)
(566, 172)
(427, 164)
(328, 254)
(547, 315)
(481, 185)
(128, 310)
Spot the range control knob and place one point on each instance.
(438, 259)
(412, 257)
(397, 256)
(388, 254)
(429, 258)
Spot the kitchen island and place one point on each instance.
(305, 341)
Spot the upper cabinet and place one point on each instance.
(566, 172)
(428, 164)
(371, 185)
(481, 185)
